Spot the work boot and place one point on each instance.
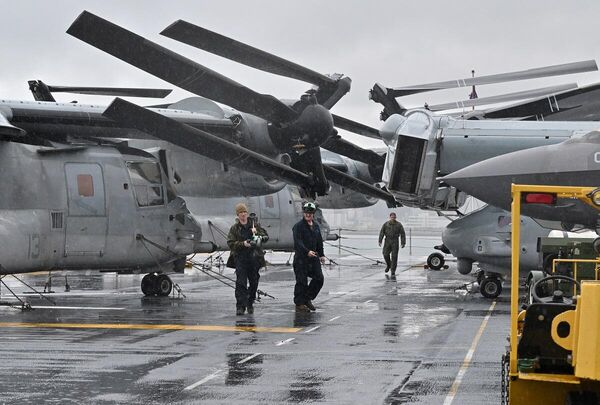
(240, 310)
(302, 308)
(310, 305)
(387, 268)
(250, 309)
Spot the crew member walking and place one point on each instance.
(308, 247)
(244, 240)
(391, 230)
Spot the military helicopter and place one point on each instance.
(100, 205)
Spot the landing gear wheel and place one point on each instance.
(436, 261)
(164, 285)
(490, 287)
(149, 284)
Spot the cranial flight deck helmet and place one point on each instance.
(309, 208)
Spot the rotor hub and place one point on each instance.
(313, 127)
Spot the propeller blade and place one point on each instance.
(520, 95)
(548, 105)
(41, 91)
(355, 127)
(201, 142)
(331, 89)
(338, 145)
(554, 70)
(176, 69)
(359, 186)
(225, 47)
(113, 91)
(310, 161)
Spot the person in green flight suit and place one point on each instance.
(391, 230)
(244, 240)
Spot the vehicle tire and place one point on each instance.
(149, 284)
(435, 261)
(491, 287)
(581, 398)
(164, 285)
(596, 245)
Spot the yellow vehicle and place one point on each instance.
(554, 354)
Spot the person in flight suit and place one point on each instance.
(308, 257)
(244, 240)
(391, 230)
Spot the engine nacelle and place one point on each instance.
(412, 162)
(339, 197)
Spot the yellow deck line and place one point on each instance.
(213, 328)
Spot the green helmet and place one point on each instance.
(309, 207)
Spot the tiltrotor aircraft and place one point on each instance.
(86, 222)
(424, 146)
(91, 206)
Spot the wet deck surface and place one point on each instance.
(374, 339)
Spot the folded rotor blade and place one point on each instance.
(337, 144)
(554, 70)
(548, 105)
(520, 95)
(221, 45)
(201, 142)
(330, 89)
(176, 69)
(310, 161)
(359, 186)
(355, 127)
(113, 91)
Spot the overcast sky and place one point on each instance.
(392, 42)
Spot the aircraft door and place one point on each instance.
(270, 215)
(86, 223)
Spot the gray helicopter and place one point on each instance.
(92, 206)
(424, 146)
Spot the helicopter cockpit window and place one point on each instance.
(147, 183)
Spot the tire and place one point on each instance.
(149, 284)
(435, 261)
(491, 287)
(164, 285)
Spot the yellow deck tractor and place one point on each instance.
(554, 353)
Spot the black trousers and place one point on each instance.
(303, 269)
(246, 281)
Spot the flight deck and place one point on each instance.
(374, 339)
